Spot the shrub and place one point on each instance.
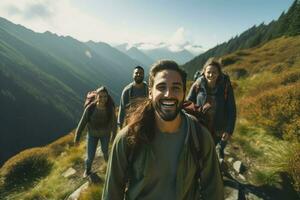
(26, 167)
(237, 73)
(290, 78)
(229, 60)
(61, 144)
(274, 110)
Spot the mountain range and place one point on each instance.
(149, 55)
(43, 82)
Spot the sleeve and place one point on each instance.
(146, 89)
(81, 125)
(211, 179)
(123, 102)
(192, 96)
(113, 126)
(115, 181)
(230, 110)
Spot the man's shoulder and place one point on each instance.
(121, 136)
(127, 87)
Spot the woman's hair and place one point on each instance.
(141, 126)
(110, 105)
(212, 62)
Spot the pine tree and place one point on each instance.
(294, 26)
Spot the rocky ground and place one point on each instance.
(235, 174)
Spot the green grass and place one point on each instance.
(54, 185)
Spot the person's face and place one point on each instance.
(102, 98)
(167, 94)
(211, 74)
(138, 76)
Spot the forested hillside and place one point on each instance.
(288, 24)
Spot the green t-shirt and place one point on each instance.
(166, 148)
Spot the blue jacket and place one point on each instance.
(225, 115)
(126, 98)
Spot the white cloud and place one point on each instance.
(179, 38)
(149, 46)
(195, 49)
(65, 18)
(61, 17)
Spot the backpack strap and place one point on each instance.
(196, 150)
(197, 86)
(90, 109)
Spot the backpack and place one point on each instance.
(90, 98)
(90, 103)
(227, 83)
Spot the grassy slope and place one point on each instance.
(267, 136)
(62, 155)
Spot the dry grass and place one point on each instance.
(268, 100)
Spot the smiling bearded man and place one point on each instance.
(152, 157)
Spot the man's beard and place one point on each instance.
(167, 114)
(138, 80)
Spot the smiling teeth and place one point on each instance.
(168, 103)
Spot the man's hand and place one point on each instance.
(226, 136)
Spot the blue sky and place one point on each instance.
(198, 25)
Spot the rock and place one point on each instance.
(237, 166)
(69, 172)
(231, 193)
(230, 159)
(226, 152)
(242, 177)
(75, 195)
(251, 196)
(231, 189)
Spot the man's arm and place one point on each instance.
(211, 179)
(123, 102)
(81, 125)
(113, 126)
(116, 174)
(230, 110)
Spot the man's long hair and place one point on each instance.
(141, 126)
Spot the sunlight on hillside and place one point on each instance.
(267, 81)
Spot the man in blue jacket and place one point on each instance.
(137, 89)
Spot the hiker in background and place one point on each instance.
(213, 93)
(137, 89)
(100, 119)
(163, 153)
